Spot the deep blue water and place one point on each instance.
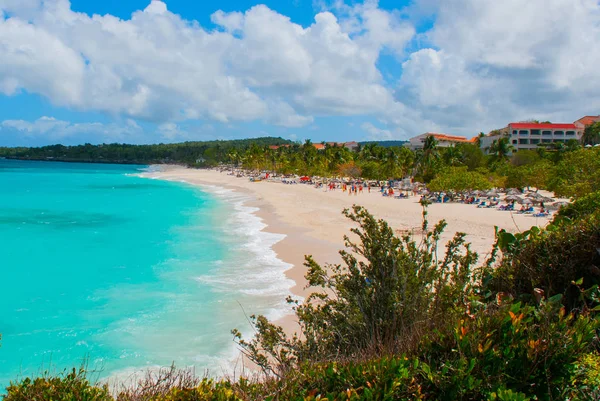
(125, 272)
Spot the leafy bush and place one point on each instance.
(459, 179)
(582, 207)
(388, 293)
(563, 259)
(531, 350)
(67, 387)
(577, 174)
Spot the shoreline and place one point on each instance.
(288, 249)
(312, 223)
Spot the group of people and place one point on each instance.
(351, 188)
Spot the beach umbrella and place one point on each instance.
(526, 201)
(559, 204)
(513, 191)
(515, 198)
(546, 199)
(491, 193)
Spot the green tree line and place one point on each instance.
(569, 169)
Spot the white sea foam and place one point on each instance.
(263, 272)
(250, 277)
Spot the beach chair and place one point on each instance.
(541, 214)
(482, 204)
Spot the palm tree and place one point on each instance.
(501, 148)
(591, 135)
(452, 156)
(478, 139)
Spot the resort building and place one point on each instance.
(353, 146)
(530, 135)
(586, 121)
(443, 140)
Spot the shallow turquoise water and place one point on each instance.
(125, 272)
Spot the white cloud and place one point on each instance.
(492, 62)
(50, 129)
(377, 133)
(482, 64)
(159, 67)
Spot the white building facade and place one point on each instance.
(532, 135)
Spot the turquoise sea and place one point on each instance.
(98, 265)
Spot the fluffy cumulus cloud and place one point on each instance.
(489, 62)
(258, 64)
(482, 64)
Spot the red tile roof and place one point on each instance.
(451, 138)
(542, 126)
(588, 120)
(319, 146)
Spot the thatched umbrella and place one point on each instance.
(513, 191)
(491, 193)
(526, 201)
(515, 198)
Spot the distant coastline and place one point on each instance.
(86, 161)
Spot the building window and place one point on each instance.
(514, 141)
(515, 132)
(534, 141)
(523, 132)
(546, 132)
(570, 133)
(559, 140)
(535, 132)
(559, 133)
(546, 140)
(523, 141)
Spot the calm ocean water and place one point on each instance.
(124, 272)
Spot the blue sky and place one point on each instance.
(142, 71)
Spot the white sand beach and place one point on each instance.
(313, 223)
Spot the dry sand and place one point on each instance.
(313, 223)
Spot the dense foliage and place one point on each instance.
(210, 152)
(517, 328)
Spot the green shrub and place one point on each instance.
(389, 291)
(563, 259)
(581, 208)
(531, 350)
(73, 386)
